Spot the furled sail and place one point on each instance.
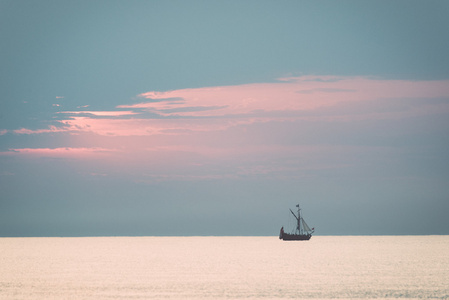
(305, 226)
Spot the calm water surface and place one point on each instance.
(224, 267)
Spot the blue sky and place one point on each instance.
(215, 117)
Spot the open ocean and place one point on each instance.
(224, 267)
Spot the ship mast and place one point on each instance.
(298, 219)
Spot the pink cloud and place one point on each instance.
(145, 127)
(209, 109)
(100, 113)
(288, 94)
(293, 128)
(66, 152)
(51, 129)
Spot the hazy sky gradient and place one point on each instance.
(215, 117)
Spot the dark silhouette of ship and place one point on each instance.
(302, 232)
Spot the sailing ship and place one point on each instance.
(302, 232)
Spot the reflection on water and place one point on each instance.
(224, 267)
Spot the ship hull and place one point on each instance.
(295, 237)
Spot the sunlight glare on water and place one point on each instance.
(224, 267)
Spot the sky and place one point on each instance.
(154, 118)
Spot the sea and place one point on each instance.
(326, 267)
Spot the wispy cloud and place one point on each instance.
(294, 127)
(50, 129)
(66, 152)
(219, 108)
(289, 94)
(92, 113)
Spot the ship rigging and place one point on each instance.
(302, 232)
